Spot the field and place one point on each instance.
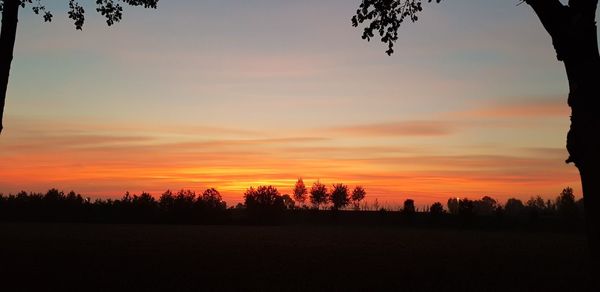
(99, 257)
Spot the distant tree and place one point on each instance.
(211, 199)
(437, 209)
(300, 191)
(565, 203)
(263, 198)
(536, 206)
(318, 194)
(485, 206)
(288, 202)
(54, 195)
(145, 200)
(339, 196)
(466, 208)
(110, 9)
(453, 204)
(166, 201)
(358, 194)
(514, 207)
(409, 207)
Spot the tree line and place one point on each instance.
(262, 204)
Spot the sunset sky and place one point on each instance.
(237, 93)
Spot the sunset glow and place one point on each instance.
(228, 94)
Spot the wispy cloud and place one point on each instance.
(403, 128)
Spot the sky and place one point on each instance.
(236, 93)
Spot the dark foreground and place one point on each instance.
(86, 257)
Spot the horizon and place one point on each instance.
(201, 94)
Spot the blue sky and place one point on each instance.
(473, 83)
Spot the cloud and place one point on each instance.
(404, 128)
(525, 107)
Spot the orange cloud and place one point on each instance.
(103, 164)
(406, 128)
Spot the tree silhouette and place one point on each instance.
(288, 202)
(436, 209)
(485, 206)
(409, 207)
(514, 207)
(573, 30)
(211, 199)
(535, 206)
(339, 196)
(565, 204)
(358, 194)
(300, 191)
(318, 194)
(112, 10)
(264, 203)
(453, 205)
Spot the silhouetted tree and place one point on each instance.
(466, 208)
(318, 194)
(565, 204)
(409, 207)
(536, 206)
(485, 206)
(111, 9)
(339, 196)
(264, 202)
(572, 28)
(436, 209)
(211, 199)
(288, 202)
(300, 191)
(453, 205)
(514, 207)
(358, 194)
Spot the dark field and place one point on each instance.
(174, 258)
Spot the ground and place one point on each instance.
(97, 257)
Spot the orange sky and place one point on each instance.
(233, 94)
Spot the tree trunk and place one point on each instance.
(7, 45)
(574, 36)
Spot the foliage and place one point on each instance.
(514, 207)
(339, 196)
(112, 10)
(485, 206)
(300, 191)
(318, 194)
(453, 205)
(384, 17)
(436, 209)
(409, 207)
(358, 194)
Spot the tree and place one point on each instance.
(318, 194)
(339, 196)
(358, 194)
(565, 203)
(409, 207)
(572, 28)
(263, 198)
(211, 199)
(110, 9)
(485, 206)
(436, 209)
(514, 207)
(453, 205)
(535, 206)
(264, 204)
(300, 191)
(288, 202)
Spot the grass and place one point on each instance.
(298, 258)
